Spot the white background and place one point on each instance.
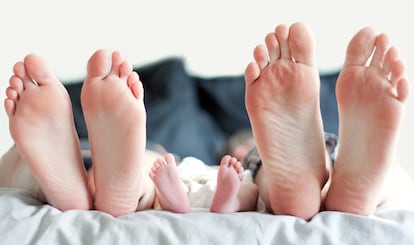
(215, 37)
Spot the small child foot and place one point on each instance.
(229, 180)
(172, 193)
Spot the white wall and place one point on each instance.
(215, 37)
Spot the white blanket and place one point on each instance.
(24, 220)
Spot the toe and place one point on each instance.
(20, 72)
(381, 45)
(301, 44)
(10, 107)
(403, 89)
(261, 56)
(156, 165)
(117, 61)
(397, 71)
(361, 47)
(272, 47)
(391, 56)
(233, 161)
(125, 69)
(282, 34)
(38, 70)
(169, 159)
(251, 73)
(237, 166)
(17, 84)
(99, 65)
(12, 94)
(135, 85)
(225, 161)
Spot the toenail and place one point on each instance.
(35, 83)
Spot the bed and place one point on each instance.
(211, 109)
(24, 220)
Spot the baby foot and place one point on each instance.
(112, 102)
(229, 179)
(282, 101)
(172, 194)
(371, 91)
(42, 126)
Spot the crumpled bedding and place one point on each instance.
(24, 220)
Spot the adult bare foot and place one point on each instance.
(112, 102)
(282, 101)
(172, 193)
(41, 124)
(371, 91)
(229, 180)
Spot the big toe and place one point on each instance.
(99, 65)
(38, 69)
(301, 43)
(361, 47)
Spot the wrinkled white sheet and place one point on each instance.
(24, 220)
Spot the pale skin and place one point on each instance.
(112, 102)
(40, 118)
(43, 130)
(282, 100)
(231, 195)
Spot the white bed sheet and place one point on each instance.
(24, 220)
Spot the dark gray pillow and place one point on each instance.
(193, 116)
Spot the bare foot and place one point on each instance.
(41, 124)
(172, 193)
(112, 102)
(229, 179)
(371, 95)
(282, 101)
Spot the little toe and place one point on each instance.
(151, 174)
